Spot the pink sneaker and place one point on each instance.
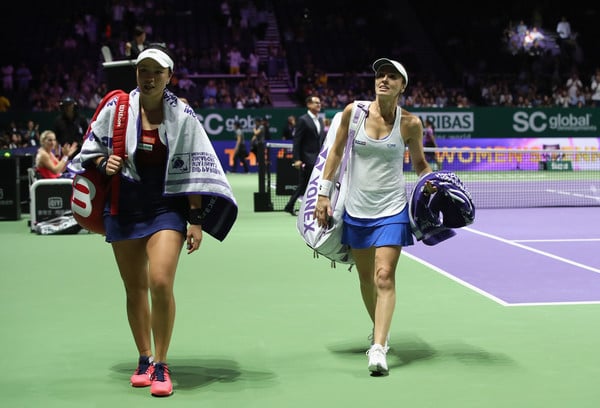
(142, 377)
(161, 381)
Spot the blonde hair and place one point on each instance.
(45, 134)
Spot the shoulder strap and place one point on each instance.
(120, 124)
(360, 110)
(119, 137)
(110, 95)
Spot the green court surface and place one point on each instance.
(260, 323)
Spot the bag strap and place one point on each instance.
(119, 139)
(110, 95)
(360, 112)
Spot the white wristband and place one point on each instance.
(325, 187)
(65, 158)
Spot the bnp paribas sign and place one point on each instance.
(455, 124)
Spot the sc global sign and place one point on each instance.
(220, 123)
(217, 123)
(554, 122)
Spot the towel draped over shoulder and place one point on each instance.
(193, 166)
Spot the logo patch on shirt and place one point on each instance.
(145, 146)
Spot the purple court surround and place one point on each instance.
(524, 256)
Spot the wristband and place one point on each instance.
(325, 187)
(65, 158)
(102, 165)
(196, 216)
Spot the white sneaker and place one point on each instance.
(377, 361)
(386, 347)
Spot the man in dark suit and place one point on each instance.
(139, 43)
(308, 138)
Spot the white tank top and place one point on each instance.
(377, 187)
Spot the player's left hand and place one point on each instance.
(193, 238)
(429, 188)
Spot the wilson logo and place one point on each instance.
(120, 115)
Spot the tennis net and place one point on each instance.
(496, 178)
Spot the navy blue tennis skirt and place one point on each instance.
(363, 233)
(143, 210)
(120, 228)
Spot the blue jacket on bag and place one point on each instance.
(434, 216)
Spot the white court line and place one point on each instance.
(494, 298)
(578, 195)
(559, 240)
(588, 302)
(537, 251)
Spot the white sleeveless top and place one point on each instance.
(377, 187)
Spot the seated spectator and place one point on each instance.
(47, 165)
(210, 91)
(31, 135)
(16, 140)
